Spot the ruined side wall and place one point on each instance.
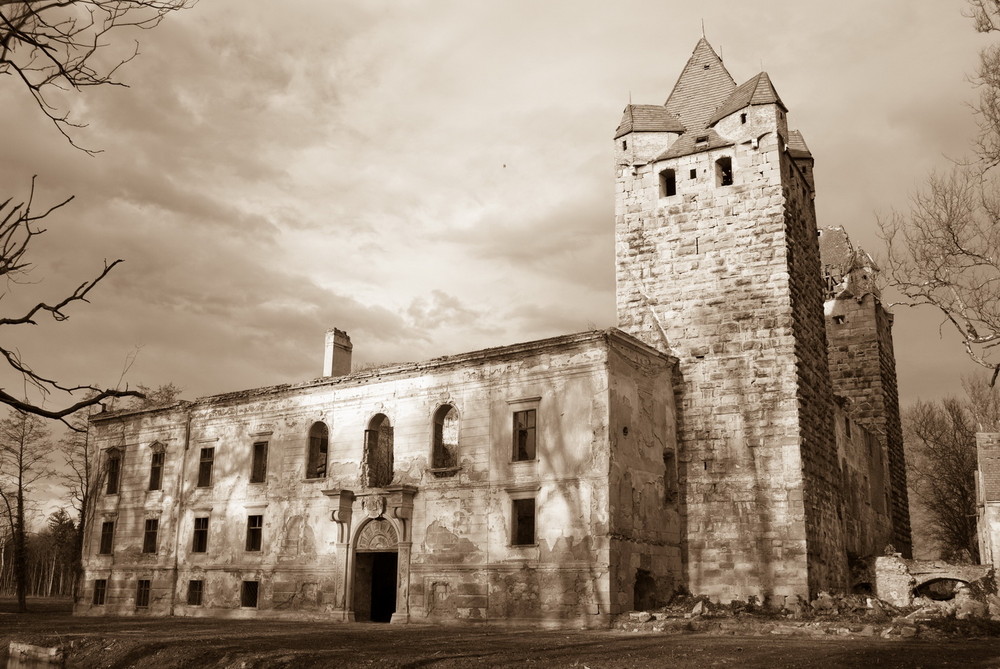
(129, 509)
(823, 496)
(864, 480)
(988, 496)
(707, 274)
(863, 369)
(646, 566)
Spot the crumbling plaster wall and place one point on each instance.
(721, 276)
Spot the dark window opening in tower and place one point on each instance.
(693, 174)
(743, 118)
(624, 144)
(724, 171)
(668, 183)
(701, 139)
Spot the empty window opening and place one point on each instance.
(205, 467)
(248, 593)
(701, 139)
(524, 435)
(669, 477)
(706, 66)
(142, 593)
(255, 532)
(258, 462)
(114, 466)
(149, 535)
(200, 541)
(445, 437)
(839, 320)
(624, 144)
(668, 183)
(100, 591)
(522, 521)
(644, 591)
(195, 590)
(107, 537)
(376, 467)
(743, 118)
(724, 171)
(693, 173)
(156, 470)
(375, 577)
(847, 426)
(319, 444)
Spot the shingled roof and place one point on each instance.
(757, 91)
(688, 143)
(648, 118)
(797, 145)
(703, 86)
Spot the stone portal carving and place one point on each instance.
(377, 535)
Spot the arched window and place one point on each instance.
(376, 468)
(445, 447)
(319, 443)
(668, 183)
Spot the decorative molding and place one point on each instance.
(377, 535)
(525, 400)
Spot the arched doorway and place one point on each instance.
(376, 569)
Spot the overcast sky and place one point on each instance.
(434, 177)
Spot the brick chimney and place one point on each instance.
(337, 360)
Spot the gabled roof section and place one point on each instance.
(757, 91)
(703, 86)
(648, 118)
(688, 143)
(797, 145)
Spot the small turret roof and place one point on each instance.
(797, 145)
(648, 118)
(703, 86)
(757, 91)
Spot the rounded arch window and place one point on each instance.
(319, 444)
(444, 453)
(376, 467)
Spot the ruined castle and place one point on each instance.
(737, 435)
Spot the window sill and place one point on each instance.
(516, 546)
(313, 479)
(524, 462)
(443, 472)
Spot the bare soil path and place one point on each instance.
(213, 642)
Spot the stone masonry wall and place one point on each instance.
(706, 275)
(863, 369)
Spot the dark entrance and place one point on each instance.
(375, 586)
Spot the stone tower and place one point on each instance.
(718, 262)
(862, 362)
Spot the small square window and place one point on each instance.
(100, 591)
(255, 531)
(149, 535)
(107, 537)
(142, 594)
(693, 173)
(205, 467)
(248, 594)
(522, 521)
(524, 435)
(258, 464)
(195, 590)
(200, 543)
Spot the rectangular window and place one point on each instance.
(668, 183)
(255, 532)
(248, 594)
(107, 537)
(100, 591)
(258, 464)
(156, 471)
(724, 171)
(195, 588)
(522, 522)
(205, 467)
(114, 471)
(693, 173)
(149, 535)
(142, 594)
(524, 435)
(200, 543)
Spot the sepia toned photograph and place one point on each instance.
(499, 334)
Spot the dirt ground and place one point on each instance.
(184, 642)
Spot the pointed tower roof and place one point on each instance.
(757, 91)
(797, 145)
(702, 87)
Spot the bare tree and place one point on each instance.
(24, 452)
(940, 440)
(51, 45)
